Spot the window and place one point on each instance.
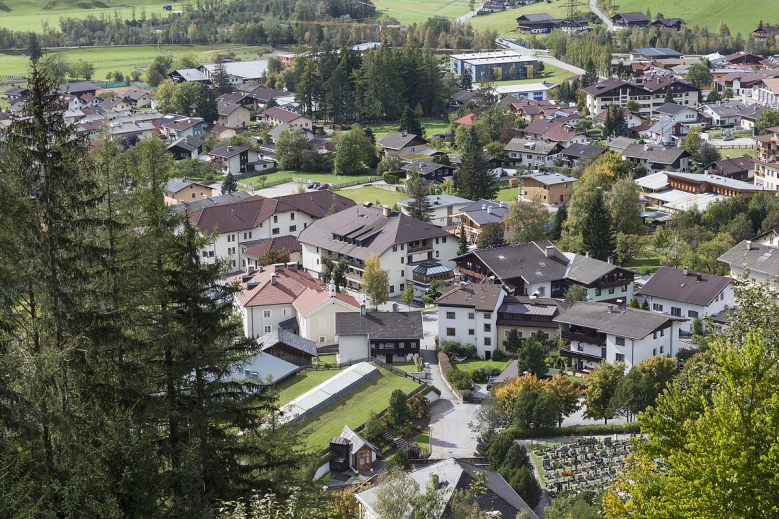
(487, 341)
(266, 314)
(611, 290)
(676, 312)
(284, 312)
(402, 287)
(443, 240)
(275, 231)
(317, 250)
(244, 236)
(654, 335)
(402, 345)
(436, 241)
(624, 288)
(394, 248)
(541, 291)
(275, 218)
(471, 315)
(210, 254)
(487, 327)
(450, 332)
(267, 329)
(450, 315)
(619, 357)
(193, 195)
(292, 216)
(597, 291)
(662, 333)
(402, 260)
(620, 341)
(402, 273)
(661, 349)
(471, 331)
(392, 289)
(602, 352)
(654, 351)
(657, 308)
(692, 313)
(436, 254)
(322, 339)
(205, 254)
(487, 315)
(293, 228)
(402, 245)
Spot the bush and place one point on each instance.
(374, 429)
(390, 178)
(399, 460)
(462, 349)
(459, 379)
(398, 412)
(524, 482)
(519, 433)
(499, 356)
(484, 442)
(482, 375)
(418, 406)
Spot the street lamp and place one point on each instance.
(531, 434)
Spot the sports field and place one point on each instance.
(31, 15)
(124, 59)
(413, 11)
(740, 15)
(506, 21)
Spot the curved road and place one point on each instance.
(470, 14)
(594, 9)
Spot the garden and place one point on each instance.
(590, 464)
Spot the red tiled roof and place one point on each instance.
(287, 243)
(242, 215)
(466, 120)
(282, 115)
(312, 299)
(316, 203)
(289, 285)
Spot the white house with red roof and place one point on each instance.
(284, 297)
(276, 115)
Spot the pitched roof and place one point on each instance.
(76, 87)
(280, 336)
(226, 151)
(606, 86)
(368, 230)
(715, 180)
(135, 93)
(621, 143)
(536, 18)
(632, 17)
(316, 203)
(486, 211)
(254, 250)
(257, 288)
(653, 52)
(311, 299)
(263, 366)
(239, 216)
(190, 74)
(530, 305)
(175, 185)
(425, 167)
(655, 154)
(396, 140)
(228, 107)
(623, 322)
(671, 108)
(357, 442)
(586, 270)
(663, 82)
(582, 150)
(549, 179)
(189, 143)
(733, 165)
(691, 288)
(442, 200)
(214, 201)
(281, 114)
(759, 258)
(480, 296)
(525, 260)
(532, 146)
(466, 120)
(463, 96)
(380, 325)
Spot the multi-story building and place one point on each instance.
(444, 208)
(759, 259)
(476, 215)
(390, 336)
(401, 243)
(683, 293)
(598, 332)
(547, 188)
(499, 63)
(526, 152)
(648, 93)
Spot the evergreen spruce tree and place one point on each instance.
(473, 180)
(409, 123)
(597, 237)
(33, 47)
(462, 248)
(419, 207)
(229, 184)
(206, 105)
(491, 235)
(220, 80)
(559, 220)
(466, 81)
(669, 97)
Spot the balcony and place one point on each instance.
(419, 248)
(615, 284)
(581, 337)
(354, 276)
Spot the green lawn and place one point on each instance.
(328, 178)
(737, 153)
(30, 15)
(431, 126)
(124, 59)
(354, 408)
(423, 439)
(296, 385)
(418, 11)
(508, 195)
(408, 367)
(374, 195)
(473, 364)
(505, 22)
(740, 15)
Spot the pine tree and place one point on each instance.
(409, 123)
(33, 47)
(220, 80)
(419, 207)
(559, 221)
(463, 242)
(206, 105)
(597, 236)
(466, 81)
(229, 184)
(669, 97)
(473, 179)
(491, 236)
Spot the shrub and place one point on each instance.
(463, 349)
(483, 374)
(484, 442)
(459, 379)
(399, 460)
(398, 411)
(499, 356)
(390, 178)
(373, 429)
(418, 406)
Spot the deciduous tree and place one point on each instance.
(375, 281)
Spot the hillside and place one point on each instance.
(740, 15)
(30, 15)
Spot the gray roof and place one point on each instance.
(357, 441)
(477, 211)
(191, 74)
(439, 201)
(759, 258)
(509, 373)
(279, 336)
(213, 201)
(425, 167)
(728, 109)
(673, 284)
(480, 296)
(716, 180)
(263, 366)
(526, 260)
(242, 69)
(582, 150)
(655, 154)
(621, 143)
(532, 146)
(586, 271)
(651, 52)
(368, 229)
(550, 179)
(671, 108)
(380, 325)
(396, 140)
(226, 151)
(228, 108)
(175, 184)
(457, 475)
(189, 143)
(628, 322)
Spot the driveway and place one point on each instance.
(471, 14)
(542, 55)
(606, 20)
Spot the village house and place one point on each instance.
(77, 88)
(604, 281)
(632, 119)
(725, 113)
(288, 347)
(632, 20)
(697, 183)
(684, 293)
(276, 116)
(389, 336)
(648, 93)
(400, 242)
(597, 332)
(254, 250)
(179, 190)
(138, 97)
(444, 208)
(284, 297)
(430, 172)
(402, 143)
(653, 53)
(239, 71)
(115, 104)
(737, 168)
(189, 74)
(182, 127)
(574, 154)
(759, 259)
(669, 23)
(235, 159)
(536, 23)
(526, 152)
(554, 131)
(476, 215)
(547, 188)
(657, 158)
(352, 451)
(16, 93)
(234, 115)
(186, 148)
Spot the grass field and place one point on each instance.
(431, 127)
(374, 194)
(505, 22)
(30, 15)
(328, 178)
(508, 195)
(296, 385)
(740, 15)
(418, 11)
(472, 364)
(355, 408)
(124, 59)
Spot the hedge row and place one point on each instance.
(575, 430)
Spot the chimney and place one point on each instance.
(749, 245)
(587, 254)
(404, 134)
(610, 260)
(229, 148)
(292, 266)
(273, 279)
(685, 271)
(727, 156)
(610, 309)
(549, 251)
(647, 147)
(278, 267)
(262, 269)
(698, 276)
(362, 309)
(533, 299)
(489, 210)
(248, 267)
(483, 207)
(386, 211)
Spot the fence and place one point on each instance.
(271, 183)
(726, 146)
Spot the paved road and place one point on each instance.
(471, 14)
(606, 20)
(542, 55)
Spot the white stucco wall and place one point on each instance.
(352, 347)
(463, 324)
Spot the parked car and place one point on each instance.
(729, 138)
(418, 301)
(490, 382)
(323, 187)
(314, 185)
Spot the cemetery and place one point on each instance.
(589, 464)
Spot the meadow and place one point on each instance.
(740, 15)
(32, 15)
(418, 11)
(505, 22)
